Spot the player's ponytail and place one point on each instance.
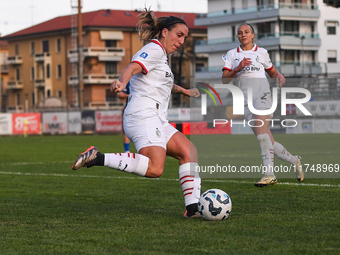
(149, 27)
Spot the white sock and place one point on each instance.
(127, 162)
(283, 154)
(267, 152)
(190, 182)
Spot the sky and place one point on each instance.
(16, 15)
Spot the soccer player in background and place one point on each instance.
(124, 95)
(247, 65)
(145, 117)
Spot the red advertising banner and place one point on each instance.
(108, 121)
(29, 123)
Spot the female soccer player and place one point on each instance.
(247, 65)
(145, 121)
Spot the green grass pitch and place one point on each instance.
(46, 208)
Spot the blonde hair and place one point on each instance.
(150, 27)
(251, 29)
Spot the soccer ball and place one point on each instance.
(214, 204)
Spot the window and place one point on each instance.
(331, 26)
(60, 94)
(58, 71)
(33, 99)
(32, 73)
(110, 43)
(290, 27)
(46, 46)
(17, 72)
(331, 56)
(32, 48)
(199, 66)
(58, 45)
(110, 96)
(331, 30)
(111, 67)
(48, 93)
(48, 71)
(18, 99)
(16, 48)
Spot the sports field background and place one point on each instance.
(47, 208)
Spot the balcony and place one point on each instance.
(93, 79)
(41, 57)
(15, 109)
(103, 53)
(14, 60)
(15, 85)
(287, 68)
(285, 40)
(39, 83)
(4, 68)
(290, 10)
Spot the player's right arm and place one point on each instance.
(126, 75)
(229, 74)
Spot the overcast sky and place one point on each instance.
(16, 15)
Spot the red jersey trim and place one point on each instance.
(145, 71)
(157, 42)
(226, 68)
(269, 68)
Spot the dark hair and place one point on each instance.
(150, 27)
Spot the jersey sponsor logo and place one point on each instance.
(144, 55)
(251, 68)
(168, 75)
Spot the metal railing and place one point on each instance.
(260, 36)
(259, 8)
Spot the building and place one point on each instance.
(43, 60)
(3, 74)
(301, 36)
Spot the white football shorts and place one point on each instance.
(146, 129)
(262, 100)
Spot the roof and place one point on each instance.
(100, 18)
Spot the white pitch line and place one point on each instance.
(165, 179)
(34, 163)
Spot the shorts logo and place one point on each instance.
(144, 55)
(158, 133)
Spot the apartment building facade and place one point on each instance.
(300, 35)
(43, 60)
(3, 74)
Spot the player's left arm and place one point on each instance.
(187, 92)
(280, 79)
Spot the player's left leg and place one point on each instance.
(182, 149)
(282, 153)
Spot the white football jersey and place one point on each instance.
(253, 76)
(258, 56)
(154, 83)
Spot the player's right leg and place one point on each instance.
(148, 163)
(148, 135)
(262, 132)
